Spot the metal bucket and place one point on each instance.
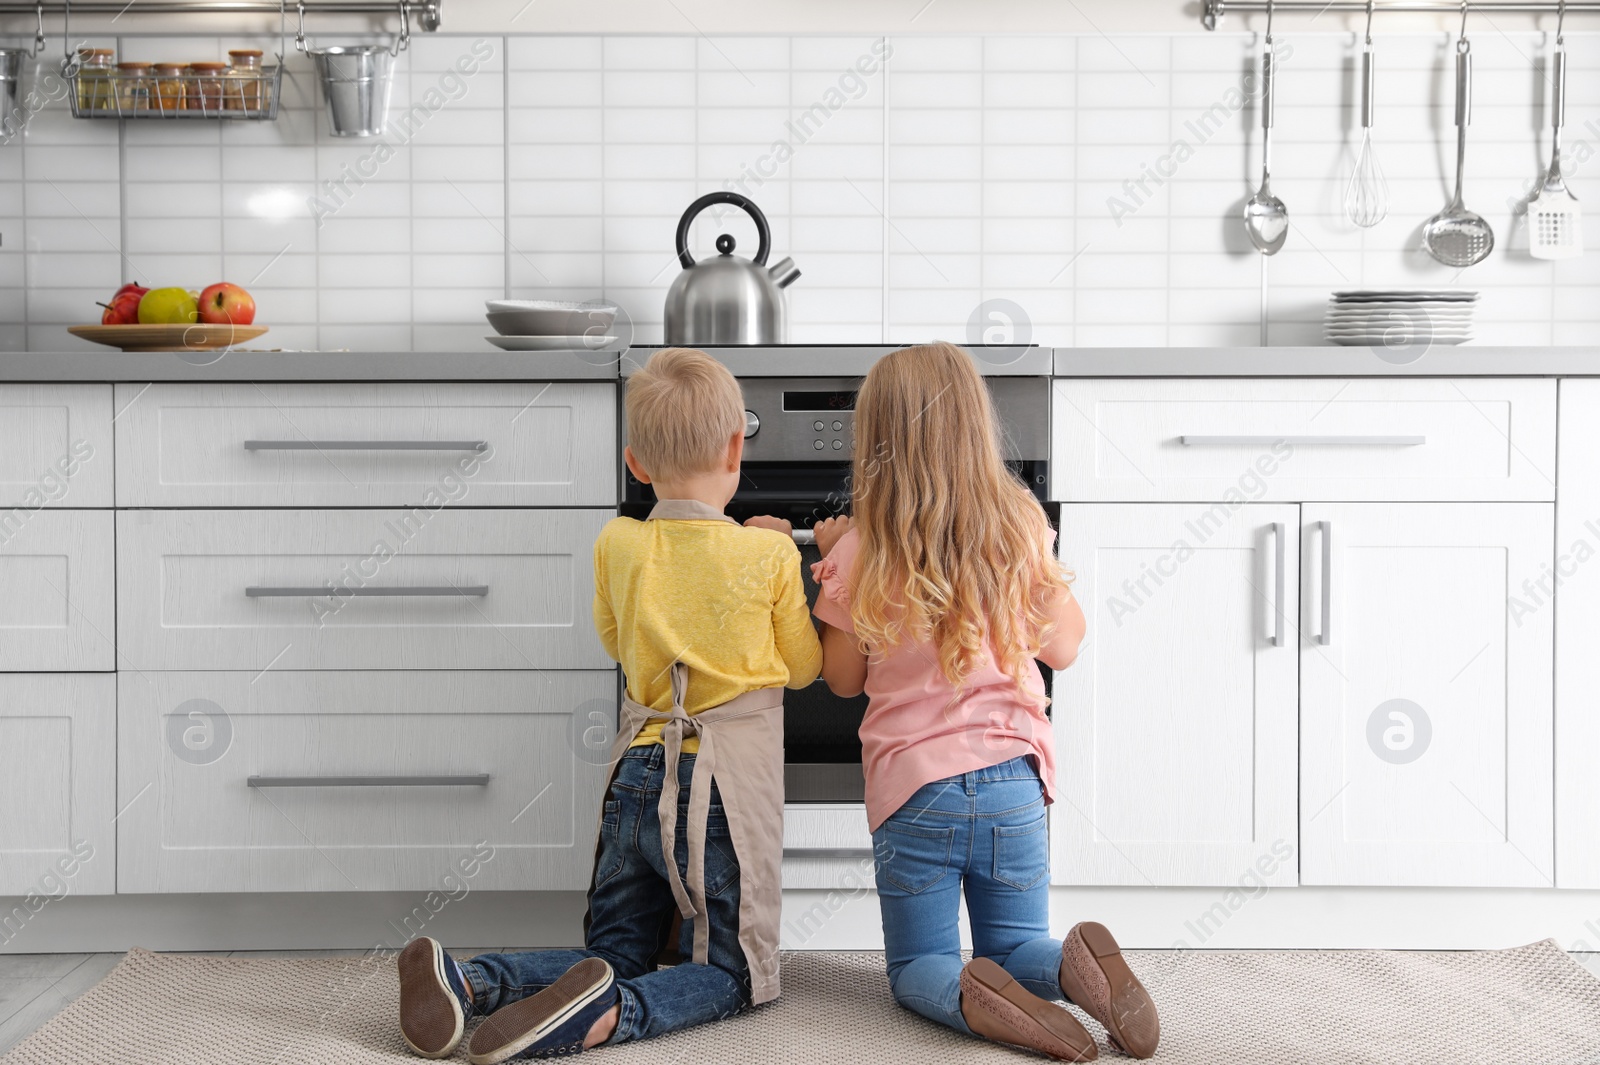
(356, 80)
(11, 117)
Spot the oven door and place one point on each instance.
(822, 741)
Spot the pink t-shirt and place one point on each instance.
(917, 729)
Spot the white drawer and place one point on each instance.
(1288, 440)
(55, 446)
(269, 445)
(58, 788)
(234, 782)
(57, 591)
(358, 589)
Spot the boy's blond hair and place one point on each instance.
(683, 408)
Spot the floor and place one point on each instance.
(35, 987)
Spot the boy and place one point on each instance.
(709, 621)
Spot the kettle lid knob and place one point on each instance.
(726, 244)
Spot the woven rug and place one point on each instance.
(1528, 1006)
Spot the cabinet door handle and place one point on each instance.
(1325, 529)
(1191, 440)
(827, 852)
(1278, 536)
(366, 445)
(475, 591)
(477, 780)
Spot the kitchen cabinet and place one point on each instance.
(58, 593)
(358, 781)
(55, 449)
(58, 790)
(1426, 704)
(1349, 439)
(354, 445)
(1574, 583)
(358, 589)
(1175, 729)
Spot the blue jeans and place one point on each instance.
(630, 915)
(985, 830)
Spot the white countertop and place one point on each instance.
(109, 365)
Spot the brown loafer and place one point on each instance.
(431, 1018)
(998, 1008)
(1095, 977)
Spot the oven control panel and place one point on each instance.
(800, 419)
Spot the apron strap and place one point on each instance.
(691, 902)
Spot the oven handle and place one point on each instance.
(804, 536)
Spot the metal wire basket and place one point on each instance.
(223, 94)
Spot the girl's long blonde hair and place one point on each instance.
(954, 549)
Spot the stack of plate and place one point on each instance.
(552, 325)
(1391, 317)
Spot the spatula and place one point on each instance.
(1555, 225)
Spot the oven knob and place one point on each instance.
(819, 426)
(838, 427)
(817, 444)
(752, 424)
(838, 445)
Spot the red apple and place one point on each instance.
(225, 304)
(124, 306)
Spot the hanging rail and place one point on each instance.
(426, 10)
(1213, 10)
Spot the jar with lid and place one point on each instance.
(205, 87)
(132, 87)
(94, 79)
(244, 88)
(167, 87)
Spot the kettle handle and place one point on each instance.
(742, 202)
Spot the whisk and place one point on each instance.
(1366, 197)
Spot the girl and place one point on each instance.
(936, 600)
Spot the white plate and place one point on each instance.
(1383, 342)
(549, 305)
(1432, 295)
(552, 343)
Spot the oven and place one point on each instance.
(798, 436)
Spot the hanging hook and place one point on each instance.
(69, 59)
(38, 33)
(1369, 23)
(404, 40)
(1561, 23)
(1269, 24)
(300, 32)
(1463, 46)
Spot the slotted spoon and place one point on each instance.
(1555, 224)
(1456, 236)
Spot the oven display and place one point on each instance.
(819, 402)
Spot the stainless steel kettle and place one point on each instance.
(728, 300)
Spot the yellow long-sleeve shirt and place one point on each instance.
(724, 599)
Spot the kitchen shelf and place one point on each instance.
(427, 11)
(220, 96)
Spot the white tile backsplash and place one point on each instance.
(1094, 181)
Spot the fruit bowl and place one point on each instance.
(196, 337)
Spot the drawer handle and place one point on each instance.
(366, 445)
(827, 852)
(474, 591)
(478, 780)
(1326, 441)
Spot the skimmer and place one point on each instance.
(1455, 236)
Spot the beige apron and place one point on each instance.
(741, 749)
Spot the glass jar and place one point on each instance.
(244, 89)
(167, 81)
(205, 87)
(94, 79)
(132, 88)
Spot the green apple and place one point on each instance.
(168, 306)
